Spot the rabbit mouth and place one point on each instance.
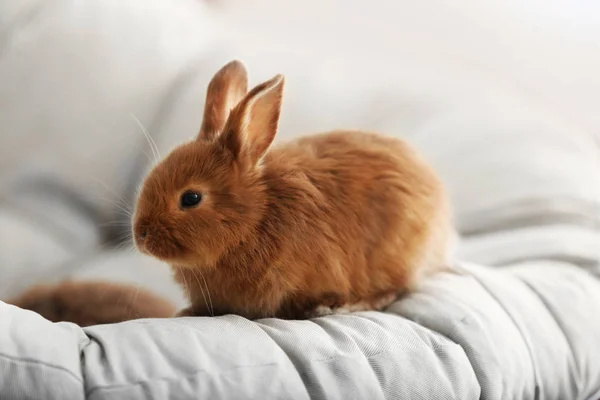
(160, 244)
(164, 250)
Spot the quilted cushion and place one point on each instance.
(520, 333)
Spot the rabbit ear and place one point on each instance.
(252, 125)
(225, 90)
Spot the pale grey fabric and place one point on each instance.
(44, 229)
(525, 332)
(39, 359)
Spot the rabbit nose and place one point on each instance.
(140, 231)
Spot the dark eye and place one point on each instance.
(190, 199)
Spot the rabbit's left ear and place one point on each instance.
(252, 125)
(225, 90)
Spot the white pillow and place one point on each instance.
(72, 74)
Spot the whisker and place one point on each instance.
(119, 239)
(149, 157)
(120, 242)
(186, 287)
(115, 223)
(124, 241)
(151, 141)
(212, 310)
(133, 300)
(122, 201)
(125, 214)
(121, 208)
(120, 298)
(138, 189)
(203, 295)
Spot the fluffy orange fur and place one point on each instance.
(344, 220)
(92, 303)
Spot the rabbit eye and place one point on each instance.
(190, 199)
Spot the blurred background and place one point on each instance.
(502, 97)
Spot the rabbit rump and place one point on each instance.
(333, 222)
(92, 303)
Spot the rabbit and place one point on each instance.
(92, 303)
(329, 223)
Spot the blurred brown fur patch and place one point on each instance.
(92, 303)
